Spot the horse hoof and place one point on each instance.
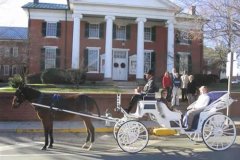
(90, 147)
(50, 146)
(84, 145)
(44, 148)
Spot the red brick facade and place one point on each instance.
(64, 42)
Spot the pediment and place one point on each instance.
(154, 4)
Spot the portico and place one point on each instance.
(110, 12)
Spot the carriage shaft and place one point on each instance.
(77, 113)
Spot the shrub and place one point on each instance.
(76, 76)
(34, 78)
(54, 75)
(60, 76)
(204, 79)
(225, 80)
(15, 81)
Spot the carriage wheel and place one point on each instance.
(132, 136)
(116, 127)
(218, 132)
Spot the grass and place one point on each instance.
(100, 89)
(223, 87)
(104, 89)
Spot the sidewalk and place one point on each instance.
(75, 126)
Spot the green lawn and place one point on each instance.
(70, 88)
(96, 88)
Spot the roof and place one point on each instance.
(52, 6)
(13, 33)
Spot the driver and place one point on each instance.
(150, 87)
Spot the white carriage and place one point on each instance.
(214, 128)
(217, 130)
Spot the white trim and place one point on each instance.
(120, 49)
(183, 53)
(51, 47)
(93, 48)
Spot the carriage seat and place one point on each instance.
(149, 97)
(215, 95)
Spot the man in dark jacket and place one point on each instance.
(150, 87)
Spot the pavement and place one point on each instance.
(78, 126)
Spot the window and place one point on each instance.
(6, 70)
(7, 52)
(183, 62)
(183, 37)
(93, 60)
(15, 69)
(148, 34)
(2, 50)
(93, 30)
(121, 32)
(51, 29)
(15, 51)
(147, 60)
(50, 58)
(132, 64)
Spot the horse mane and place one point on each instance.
(30, 93)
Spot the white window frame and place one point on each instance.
(148, 35)
(183, 61)
(51, 29)
(94, 60)
(50, 60)
(7, 52)
(121, 32)
(93, 31)
(147, 62)
(6, 70)
(132, 64)
(15, 52)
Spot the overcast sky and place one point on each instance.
(12, 14)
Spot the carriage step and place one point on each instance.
(164, 131)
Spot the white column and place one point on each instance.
(140, 48)
(170, 46)
(108, 46)
(76, 41)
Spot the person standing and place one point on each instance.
(150, 87)
(167, 84)
(175, 90)
(191, 90)
(184, 83)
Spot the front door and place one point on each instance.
(120, 65)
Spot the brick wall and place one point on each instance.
(27, 112)
(104, 101)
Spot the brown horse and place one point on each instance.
(77, 103)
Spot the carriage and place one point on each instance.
(211, 126)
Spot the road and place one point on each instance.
(67, 146)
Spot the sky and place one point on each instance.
(12, 14)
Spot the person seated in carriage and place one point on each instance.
(164, 100)
(197, 107)
(149, 87)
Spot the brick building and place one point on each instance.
(13, 51)
(116, 40)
